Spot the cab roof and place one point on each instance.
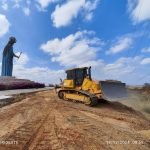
(76, 69)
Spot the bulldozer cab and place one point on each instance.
(78, 75)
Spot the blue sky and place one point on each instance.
(54, 35)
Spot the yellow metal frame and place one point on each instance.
(68, 83)
(75, 97)
(91, 86)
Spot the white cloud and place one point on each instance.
(126, 69)
(16, 3)
(139, 10)
(24, 59)
(26, 11)
(11, 3)
(4, 25)
(73, 50)
(4, 5)
(122, 65)
(122, 44)
(45, 3)
(146, 50)
(145, 61)
(38, 74)
(65, 13)
(89, 7)
(28, 2)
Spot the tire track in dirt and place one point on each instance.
(23, 135)
(40, 134)
(95, 128)
(47, 137)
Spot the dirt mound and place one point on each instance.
(117, 106)
(42, 121)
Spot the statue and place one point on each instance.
(7, 60)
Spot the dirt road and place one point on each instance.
(43, 122)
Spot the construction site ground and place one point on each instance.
(41, 121)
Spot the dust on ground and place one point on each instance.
(41, 121)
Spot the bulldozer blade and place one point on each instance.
(113, 90)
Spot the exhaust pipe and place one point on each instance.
(89, 73)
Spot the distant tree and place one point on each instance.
(146, 84)
(146, 87)
(51, 85)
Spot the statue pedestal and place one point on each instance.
(10, 83)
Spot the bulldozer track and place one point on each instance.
(93, 98)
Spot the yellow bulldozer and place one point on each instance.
(79, 86)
